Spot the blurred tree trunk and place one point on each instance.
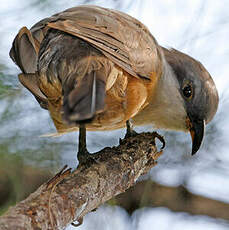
(178, 199)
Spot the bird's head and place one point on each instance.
(197, 91)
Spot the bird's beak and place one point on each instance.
(196, 129)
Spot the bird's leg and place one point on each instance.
(83, 154)
(129, 129)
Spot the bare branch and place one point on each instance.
(112, 172)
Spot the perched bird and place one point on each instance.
(95, 68)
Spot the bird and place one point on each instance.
(95, 68)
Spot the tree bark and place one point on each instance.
(70, 196)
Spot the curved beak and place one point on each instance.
(196, 129)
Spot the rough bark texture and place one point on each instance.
(112, 171)
(177, 199)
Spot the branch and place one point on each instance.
(62, 201)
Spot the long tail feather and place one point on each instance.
(86, 99)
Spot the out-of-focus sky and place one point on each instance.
(197, 27)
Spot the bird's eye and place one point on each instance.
(187, 91)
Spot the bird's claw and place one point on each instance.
(160, 138)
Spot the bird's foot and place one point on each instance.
(84, 157)
(131, 133)
(160, 138)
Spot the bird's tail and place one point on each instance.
(87, 98)
(78, 71)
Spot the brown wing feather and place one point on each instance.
(122, 38)
(24, 51)
(30, 81)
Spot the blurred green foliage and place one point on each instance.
(17, 180)
(4, 89)
(5, 85)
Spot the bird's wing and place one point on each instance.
(24, 51)
(120, 37)
(30, 81)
